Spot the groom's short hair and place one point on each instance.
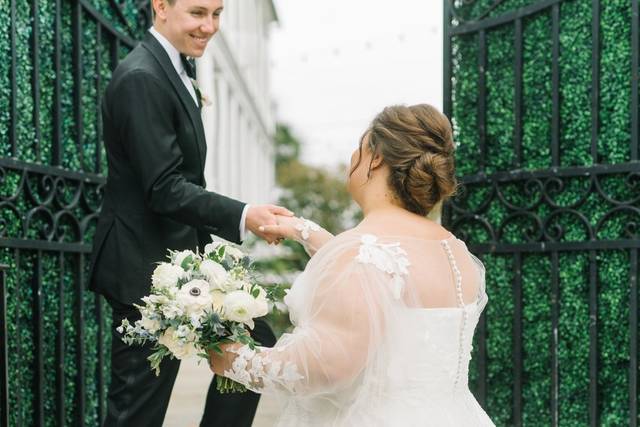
(153, 12)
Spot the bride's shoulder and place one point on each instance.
(366, 247)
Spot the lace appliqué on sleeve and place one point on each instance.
(389, 257)
(258, 373)
(305, 227)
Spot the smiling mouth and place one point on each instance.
(199, 39)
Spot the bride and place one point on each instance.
(384, 313)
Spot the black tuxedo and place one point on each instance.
(154, 200)
(154, 197)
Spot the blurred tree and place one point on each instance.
(316, 193)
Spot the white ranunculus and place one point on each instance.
(166, 275)
(214, 272)
(179, 257)
(180, 349)
(240, 307)
(211, 247)
(194, 297)
(151, 325)
(234, 252)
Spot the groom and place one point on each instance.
(155, 199)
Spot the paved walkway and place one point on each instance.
(189, 393)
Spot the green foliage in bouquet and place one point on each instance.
(536, 273)
(197, 303)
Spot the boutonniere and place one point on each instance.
(204, 99)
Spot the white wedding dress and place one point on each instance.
(383, 333)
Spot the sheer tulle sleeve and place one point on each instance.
(340, 317)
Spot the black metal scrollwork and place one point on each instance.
(58, 206)
(543, 206)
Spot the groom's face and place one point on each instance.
(189, 24)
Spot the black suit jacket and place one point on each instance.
(154, 197)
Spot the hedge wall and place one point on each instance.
(613, 266)
(59, 279)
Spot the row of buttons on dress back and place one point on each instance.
(458, 283)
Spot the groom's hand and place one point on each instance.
(264, 215)
(285, 228)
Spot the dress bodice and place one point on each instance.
(383, 330)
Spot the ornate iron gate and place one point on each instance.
(550, 200)
(58, 58)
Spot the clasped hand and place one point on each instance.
(271, 223)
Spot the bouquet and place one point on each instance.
(198, 302)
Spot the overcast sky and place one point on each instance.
(336, 63)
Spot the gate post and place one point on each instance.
(4, 357)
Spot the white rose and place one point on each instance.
(186, 350)
(211, 247)
(177, 347)
(194, 297)
(239, 307)
(166, 275)
(169, 339)
(214, 272)
(234, 252)
(179, 257)
(151, 325)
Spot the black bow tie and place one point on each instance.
(189, 66)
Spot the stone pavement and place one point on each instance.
(189, 392)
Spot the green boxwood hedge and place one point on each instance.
(613, 266)
(60, 299)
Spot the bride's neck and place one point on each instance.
(375, 210)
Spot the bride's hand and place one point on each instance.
(284, 229)
(222, 362)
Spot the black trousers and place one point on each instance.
(139, 398)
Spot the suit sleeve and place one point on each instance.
(144, 111)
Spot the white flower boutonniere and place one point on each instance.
(204, 99)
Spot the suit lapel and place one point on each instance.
(156, 49)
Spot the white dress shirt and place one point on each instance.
(174, 56)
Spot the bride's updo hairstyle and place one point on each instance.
(416, 143)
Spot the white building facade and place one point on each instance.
(239, 123)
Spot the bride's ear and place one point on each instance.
(376, 162)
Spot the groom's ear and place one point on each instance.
(158, 8)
